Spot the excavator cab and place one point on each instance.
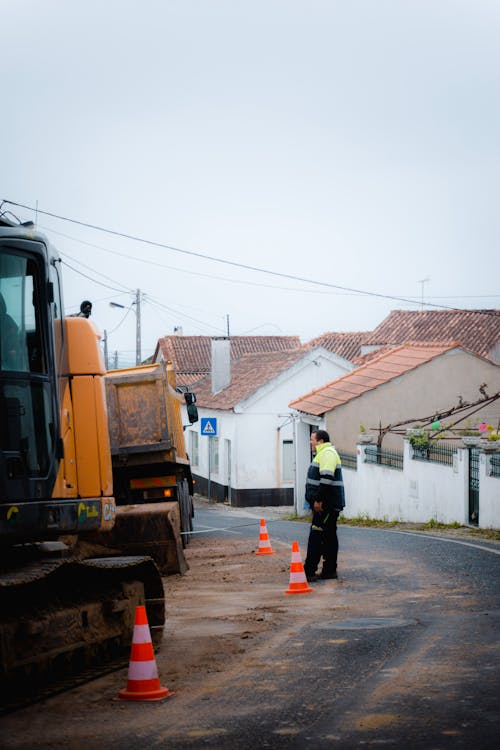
(29, 415)
(39, 496)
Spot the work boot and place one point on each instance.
(325, 575)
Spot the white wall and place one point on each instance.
(421, 492)
(258, 426)
(489, 500)
(303, 460)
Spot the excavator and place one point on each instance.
(67, 603)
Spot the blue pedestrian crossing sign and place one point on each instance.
(208, 426)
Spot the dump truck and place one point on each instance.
(152, 480)
(66, 602)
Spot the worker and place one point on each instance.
(326, 498)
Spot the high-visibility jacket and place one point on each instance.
(324, 479)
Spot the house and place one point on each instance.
(403, 384)
(477, 330)
(347, 344)
(191, 356)
(247, 455)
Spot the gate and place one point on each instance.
(474, 486)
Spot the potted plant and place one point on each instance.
(420, 442)
(470, 434)
(490, 442)
(471, 439)
(416, 430)
(363, 436)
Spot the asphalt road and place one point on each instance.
(412, 659)
(402, 651)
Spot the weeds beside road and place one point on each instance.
(454, 529)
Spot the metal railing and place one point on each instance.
(349, 461)
(392, 459)
(436, 453)
(494, 462)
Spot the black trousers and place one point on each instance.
(322, 543)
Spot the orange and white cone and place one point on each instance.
(298, 580)
(143, 683)
(264, 543)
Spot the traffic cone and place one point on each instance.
(264, 543)
(143, 683)
(298, 580)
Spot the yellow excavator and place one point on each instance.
(74, 564)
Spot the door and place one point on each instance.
(474, 486)
(228, 469)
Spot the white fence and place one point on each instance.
(422, 491)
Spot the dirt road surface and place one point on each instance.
(234, 646)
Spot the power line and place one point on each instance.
(156, 303)
(190, 272)
(95, 281)
(75, 260)
(119, 324)
(244, 266)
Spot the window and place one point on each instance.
(27, 422)
(288, 462)
(20, 338)
(194, 452)
(213, 447)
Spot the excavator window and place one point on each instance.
(25, 404)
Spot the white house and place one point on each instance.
(246, 454)
(405, 383)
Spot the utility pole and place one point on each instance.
(138, 356)
(137, 310)
(116, 359)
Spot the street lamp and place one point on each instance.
(137, 311)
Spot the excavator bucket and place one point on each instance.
(152, 529)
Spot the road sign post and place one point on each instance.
(208, 427)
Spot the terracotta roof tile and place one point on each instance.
(382, 369)
(192, 354)
(248, 373)
(345, 344)
(478, 330)
(364, 358)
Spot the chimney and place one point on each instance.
(221, 367)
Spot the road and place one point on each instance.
(401, 651)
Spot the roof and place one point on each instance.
(477, 330)
(364, 358)
(376, 372)
(345, 344)
(248, 373)
(192, 355)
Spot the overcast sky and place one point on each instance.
(350, 142)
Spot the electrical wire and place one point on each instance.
(64, 254)
(245, 266)
(94, 281)
(119, 324)
(156, 303)
(191, 272)
(245, 282)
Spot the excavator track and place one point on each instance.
(65, 619)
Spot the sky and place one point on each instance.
(279, 167)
